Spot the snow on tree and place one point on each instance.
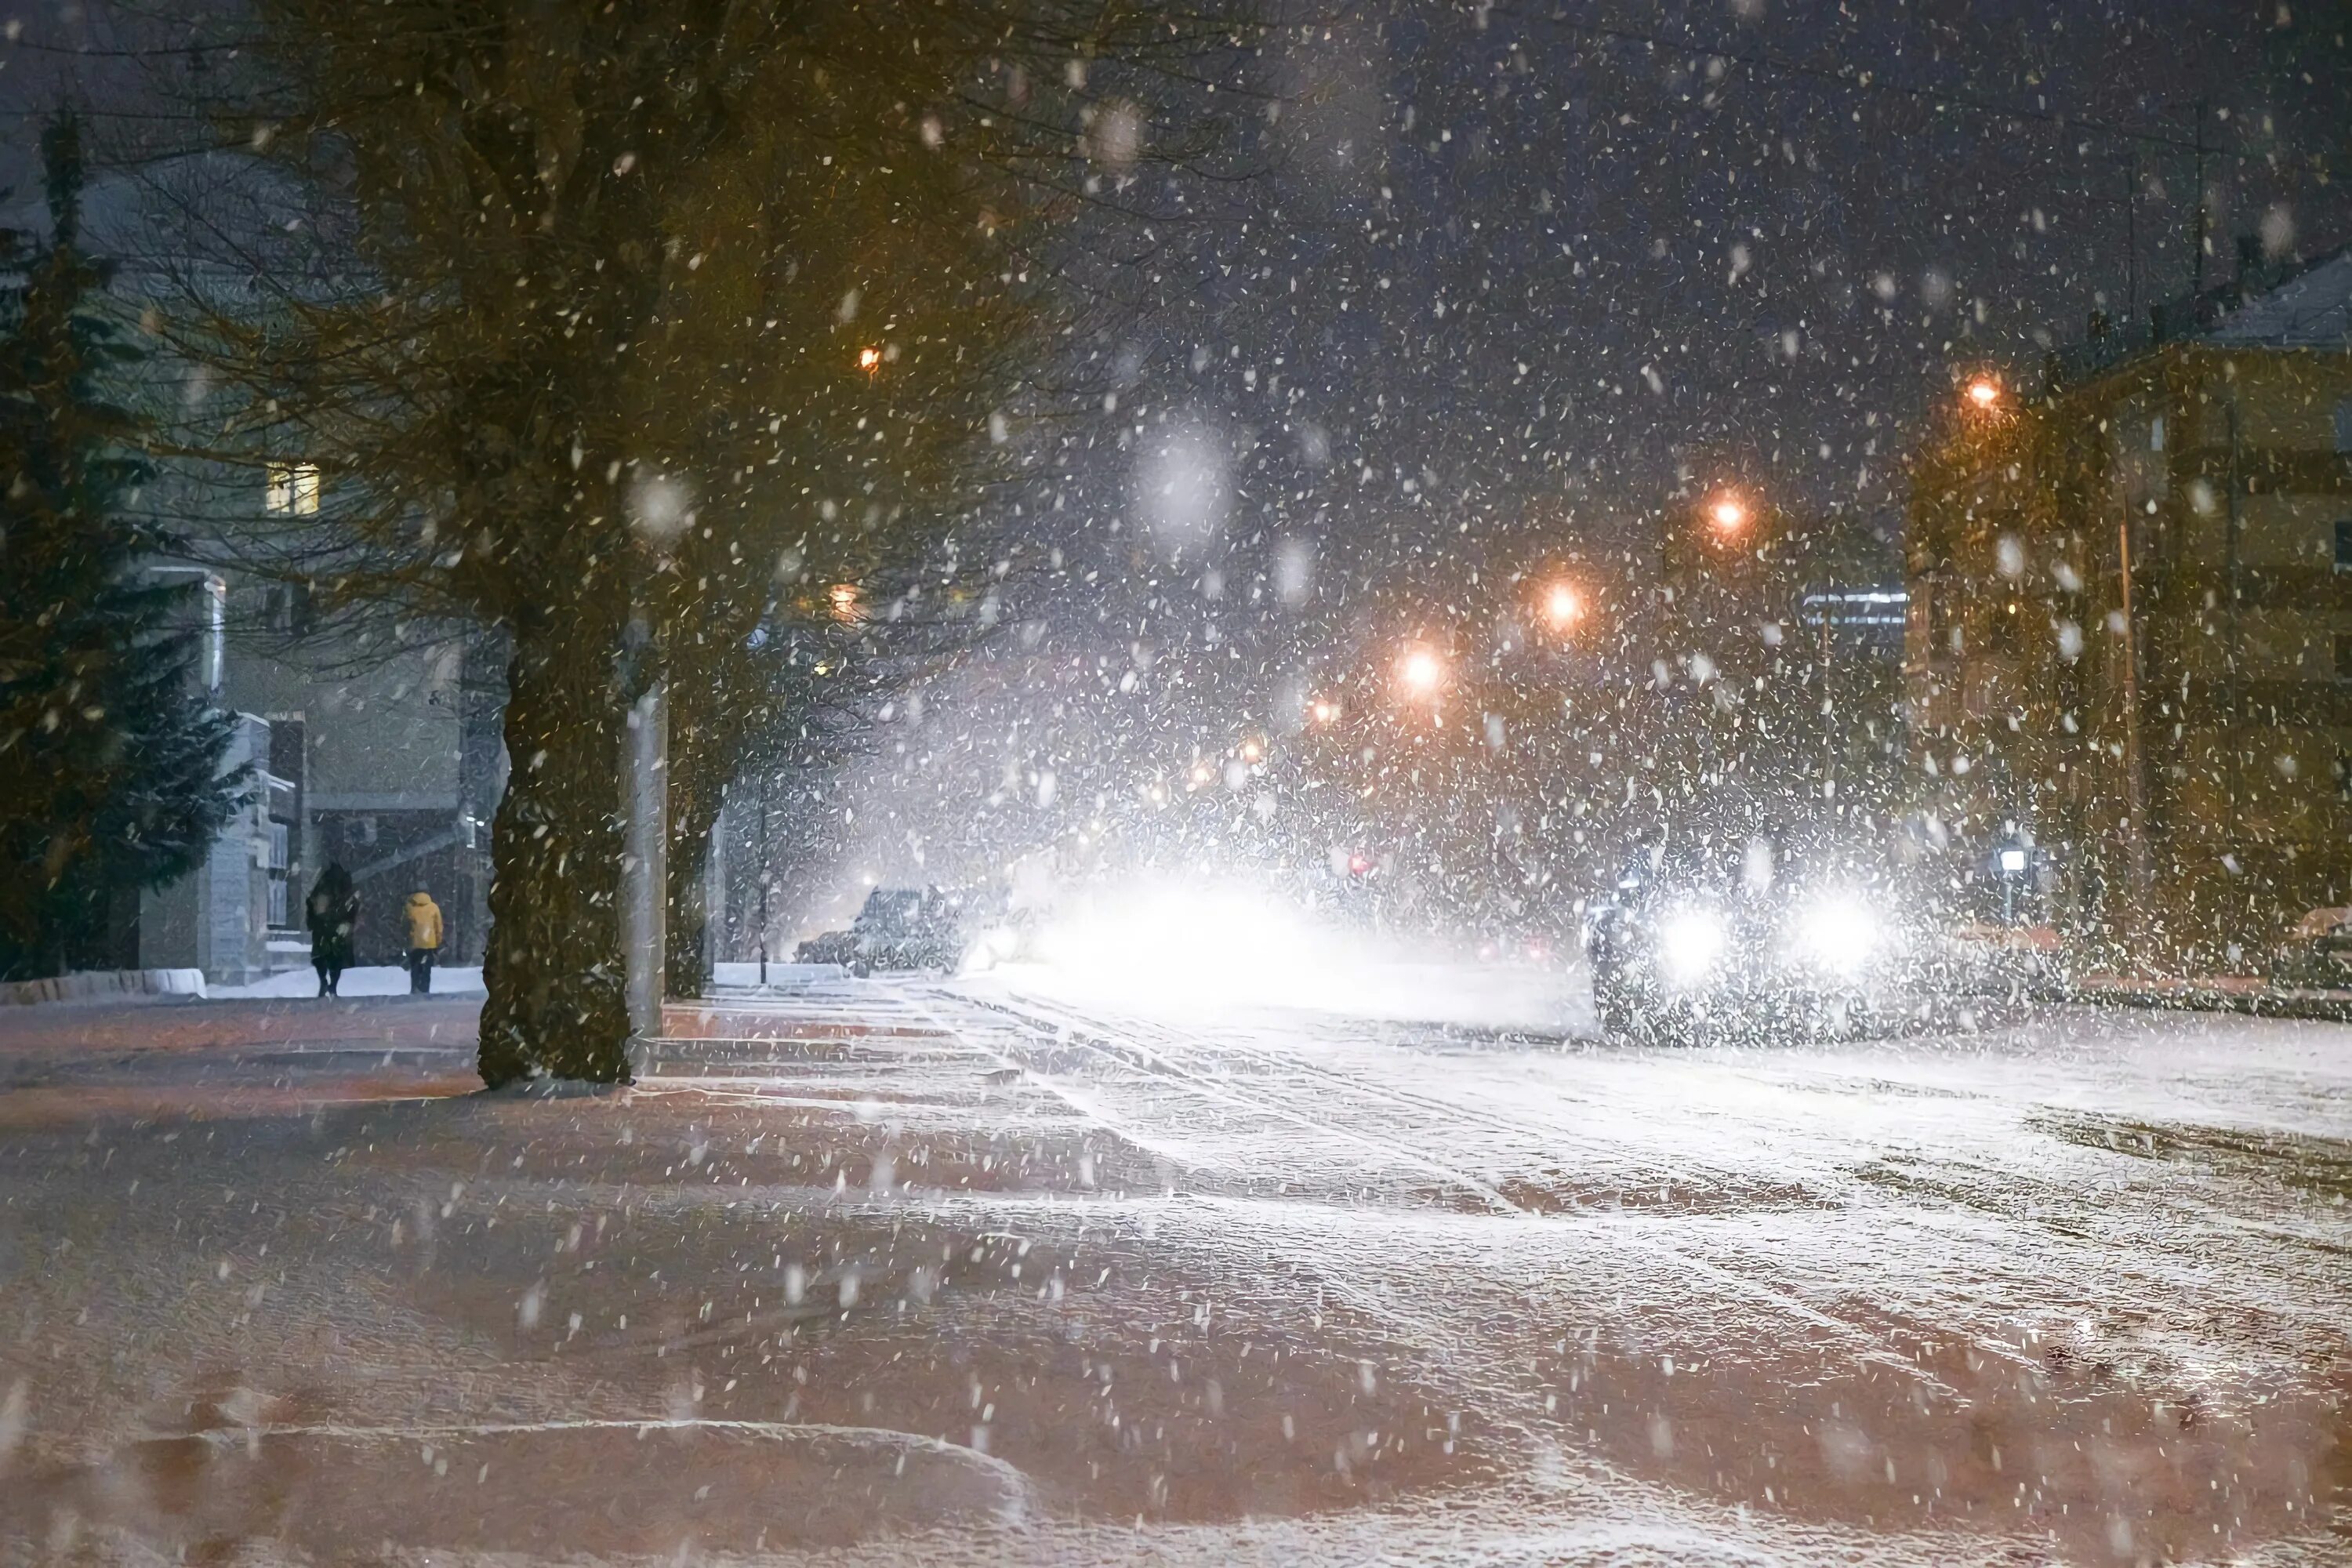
(114, 757)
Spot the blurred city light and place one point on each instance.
(1984, 393)
(1728, 513)
(869, 359)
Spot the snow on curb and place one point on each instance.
(366, 980)
(104, 985)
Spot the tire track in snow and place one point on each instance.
(1100, 1034)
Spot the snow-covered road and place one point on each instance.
(1003, 1276)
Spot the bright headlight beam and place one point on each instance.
(1690, 944)
(1838, 933)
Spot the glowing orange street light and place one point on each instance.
(1984, 393)
(843, 597)
(1252, 750)
(1728, 513)
(1562, 606)
(1323, 710)
(1421, 672)
(869, 359)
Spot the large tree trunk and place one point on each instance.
(553, 968)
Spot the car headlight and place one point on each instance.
(1838, 933)
(1690, 944)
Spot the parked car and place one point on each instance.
(897, 928)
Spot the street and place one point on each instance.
(998, 1279)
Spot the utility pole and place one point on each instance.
(2196, 236)
(764, 877)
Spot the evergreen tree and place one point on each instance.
(636, 330)
(112, 761)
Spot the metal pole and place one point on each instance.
(2134, 786)
(2236, 651)
(763, 879)
(714, 894)
(1829, 716)
(645, 871)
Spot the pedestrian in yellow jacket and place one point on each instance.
(423, 941)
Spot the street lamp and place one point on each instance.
(1983, 394)
(1563, 606)
(2013, 861)
(1728, 513)
(1420, 671)
(869, 359)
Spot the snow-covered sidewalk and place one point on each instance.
(371, 980)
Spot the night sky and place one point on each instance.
(1517, 280)
(1534, 262)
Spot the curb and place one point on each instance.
(2319, 1007)
(101, 984)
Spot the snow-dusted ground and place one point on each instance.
(972, 1272)
(371, 980)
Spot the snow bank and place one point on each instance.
(371, 980)
(780, 977)
(105, 985)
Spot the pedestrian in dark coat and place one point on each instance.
(332, 913)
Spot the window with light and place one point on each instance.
(292, 490)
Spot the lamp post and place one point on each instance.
(2013, 861)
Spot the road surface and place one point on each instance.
(962, 1273)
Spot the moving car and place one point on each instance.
(1693, 940)
(897, 928)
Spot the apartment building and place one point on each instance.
(2129, 657)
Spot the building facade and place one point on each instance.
(376, 744)
(2128, 657)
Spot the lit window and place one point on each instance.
(293, 489)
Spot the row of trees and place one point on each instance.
(683, 340)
